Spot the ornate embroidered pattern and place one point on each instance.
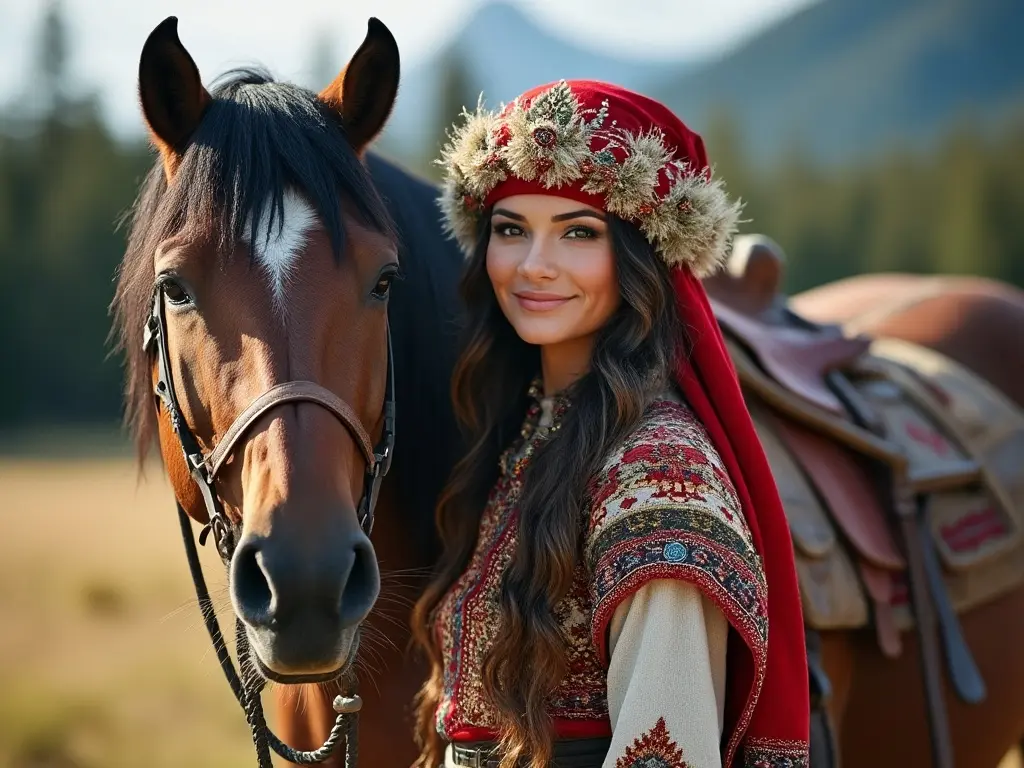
(663, 507)
(669, 461)
(653, 750)
(769, 753)
(685, 544)
(554, 140)
(467, 617)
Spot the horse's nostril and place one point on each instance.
(361, 587)
(250, 586)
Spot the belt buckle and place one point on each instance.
(479, 758)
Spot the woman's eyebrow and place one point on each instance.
(582, 213)
(509, 214)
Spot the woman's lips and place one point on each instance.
(536, 301)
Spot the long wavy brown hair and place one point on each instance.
(631, 357)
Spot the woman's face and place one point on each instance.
(551, 264)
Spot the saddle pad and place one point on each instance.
(963, 523)
(977, 530)
(944, 415)
(831, 595)
(848, 492)
(930, 451)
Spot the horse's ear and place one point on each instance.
(363, 94)
(171, 92)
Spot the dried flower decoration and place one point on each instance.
(559, 144)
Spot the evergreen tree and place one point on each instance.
(51, 63)
(455, 93)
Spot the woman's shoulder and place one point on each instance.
(665, 474)
(669, 421)
(664, 507)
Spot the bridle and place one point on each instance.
(204, 470)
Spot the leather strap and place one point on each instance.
(566, 753)
(291, 391)
(915, 535)
(963, 672)
(878, 584)
(205, 468)
(823, 752)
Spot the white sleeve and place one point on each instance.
(666, 678)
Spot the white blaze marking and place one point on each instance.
(278, 254)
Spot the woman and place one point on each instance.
(618, 585)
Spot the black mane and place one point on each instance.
(423, 311)
(258, 138)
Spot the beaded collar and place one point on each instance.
(543, 418)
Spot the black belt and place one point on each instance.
(566, 753)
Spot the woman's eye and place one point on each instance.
(175, 293)
(580, 232)
(508, 230)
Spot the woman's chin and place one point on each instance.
(542, 339)
(543, 331)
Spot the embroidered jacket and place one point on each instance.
(668, 564)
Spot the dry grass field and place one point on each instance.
(103, 659)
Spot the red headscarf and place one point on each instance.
(622, 152)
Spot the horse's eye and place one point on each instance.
(175, 293)
(383, 286)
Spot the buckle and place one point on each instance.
(470, 757)
(150, 333)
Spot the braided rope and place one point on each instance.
(248, 692)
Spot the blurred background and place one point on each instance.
(866, 135)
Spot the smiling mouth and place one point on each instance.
(540, 302)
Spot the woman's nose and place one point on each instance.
(536, 264)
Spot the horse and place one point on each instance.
(264, 270)
(277, 254)
(947, 313)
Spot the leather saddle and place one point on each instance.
(901, 473)
(794, 354)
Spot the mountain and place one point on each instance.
(501, 52)
(841, 80)
(845, 78)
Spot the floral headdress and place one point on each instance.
(602, 145)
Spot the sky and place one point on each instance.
(107, 35)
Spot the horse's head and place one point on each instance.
(259, 264)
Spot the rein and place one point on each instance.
(204, 470)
